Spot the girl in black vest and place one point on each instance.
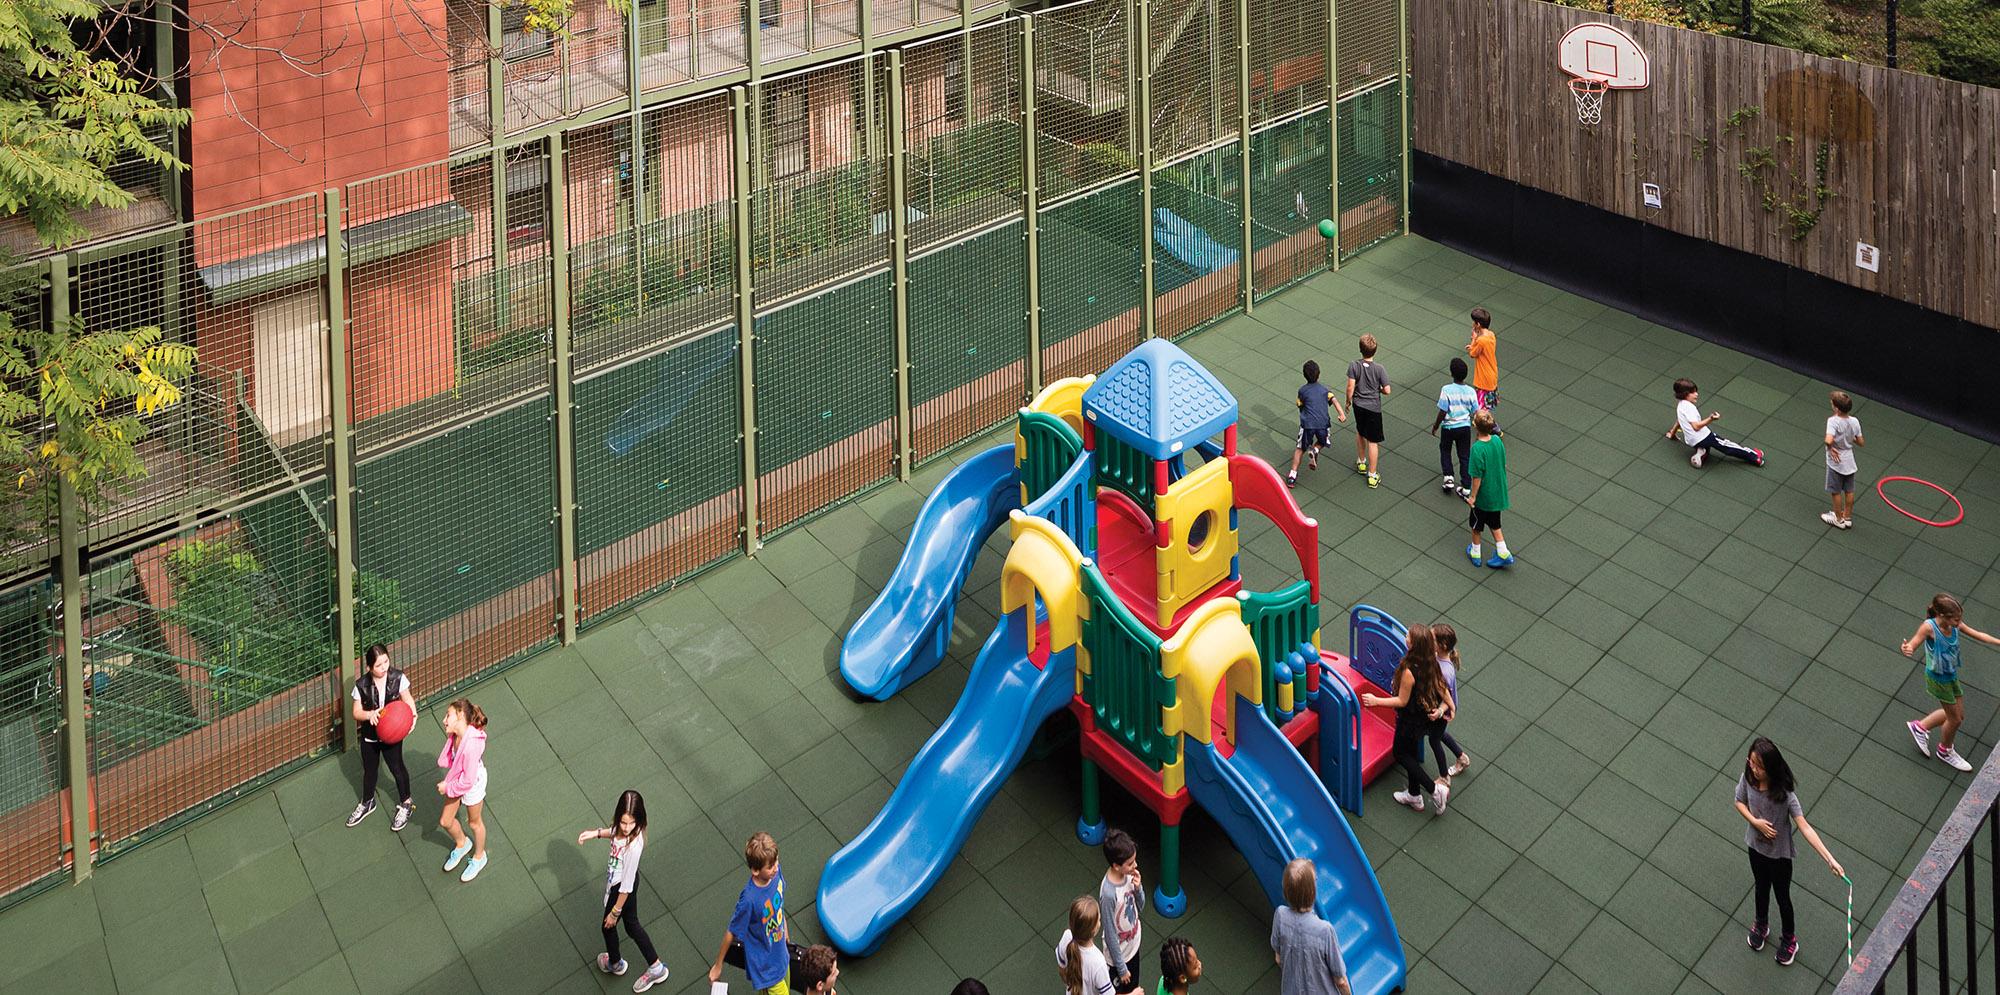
(379, 684)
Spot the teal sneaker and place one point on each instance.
(1500, 562)
(1473, 555)
(457, 854)
(473, 867)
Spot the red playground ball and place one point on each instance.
(396, 722)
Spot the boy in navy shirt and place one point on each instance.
(1313, 421)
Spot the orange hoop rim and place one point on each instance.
(1587, 85)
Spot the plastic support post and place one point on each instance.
(1090, 827)
(1168, 898)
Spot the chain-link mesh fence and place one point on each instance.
(1371, 167)
(968, 303)
(658, 404)
(825, 323)
(210, 616)
(32, 805)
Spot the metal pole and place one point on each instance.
(1403, 103)
(753, 38)
(1031, 196)
(1332, 130)
(1243, 148)
(339, 409)
(746, 337)
(1143, 89)
(69, 524)
(496, 107)
(1891, 31)
(496, 73)
(899, 257)
(568, 597)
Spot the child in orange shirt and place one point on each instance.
(1485, 362)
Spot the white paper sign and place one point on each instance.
(1652, 193)
(718, 988)
(1868, 257)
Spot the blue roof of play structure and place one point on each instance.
(1158, 400)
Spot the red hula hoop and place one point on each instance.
(1955, 519)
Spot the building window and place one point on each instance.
(787, 131)
(954, 89)
(527, 196)
(517, 41)
(290, 366)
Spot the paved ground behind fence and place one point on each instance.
(1659, 617)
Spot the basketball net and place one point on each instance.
(1589, 95)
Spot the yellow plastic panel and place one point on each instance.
(1212, 646)
(1182, 571)
(1044, 562)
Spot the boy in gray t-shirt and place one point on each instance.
(1367, 385)
(1307, 952)
(1843, 434)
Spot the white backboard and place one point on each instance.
(1596, 50)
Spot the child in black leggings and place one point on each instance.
(1765, 799)
(627, 834)
(378, 684)
(1420, 699)
(1455, 762)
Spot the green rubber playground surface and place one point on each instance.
(1659, 616)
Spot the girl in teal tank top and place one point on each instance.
(1938, 635)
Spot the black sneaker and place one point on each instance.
(1788, 951)
(1758, 934)
(360, 812)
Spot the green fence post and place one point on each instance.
(1143, 89)
(568, 597)
(753, 39)
(1333, 128)
(1031, 196)
(1403, 101)
(746, 313)
(1243, 148)
(341, 439)
(899, 257)
(69, 525)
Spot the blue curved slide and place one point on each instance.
(885, 870)
(905, 633)
(1275, 809)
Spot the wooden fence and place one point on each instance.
(1772, 151)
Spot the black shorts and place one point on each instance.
(1311, 437)
(1368, 424)
(1480, 518)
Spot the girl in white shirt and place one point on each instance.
(1079, 962)
(627, 834)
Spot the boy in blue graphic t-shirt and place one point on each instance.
(1456, 403)
(756, 939)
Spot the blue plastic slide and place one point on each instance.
(905, 633)
(882, 873)
(1188, 243)
(1274, 809)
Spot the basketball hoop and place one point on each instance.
(1589, 95)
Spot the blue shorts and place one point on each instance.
(1311, 438)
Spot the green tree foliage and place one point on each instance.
(1964, 37)
(66, 115)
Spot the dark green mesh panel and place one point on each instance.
(1091, 280)
(1289, 180)
(1371, 168)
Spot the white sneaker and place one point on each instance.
(1922, 736)
(1438, 794)
(653, 976)
(1464, 764)
(1951, 757)
(1830, 518)
(1415, 802)
(1695, 460)
(1450, 485)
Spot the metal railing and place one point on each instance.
(1898, 946)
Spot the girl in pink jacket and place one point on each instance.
(463, 759)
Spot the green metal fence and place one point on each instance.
(466, 409)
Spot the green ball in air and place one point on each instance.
(1328, 229)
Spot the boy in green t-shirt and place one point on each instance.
(1487, 470)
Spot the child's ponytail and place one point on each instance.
(1944, 606)
(1082, 934)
